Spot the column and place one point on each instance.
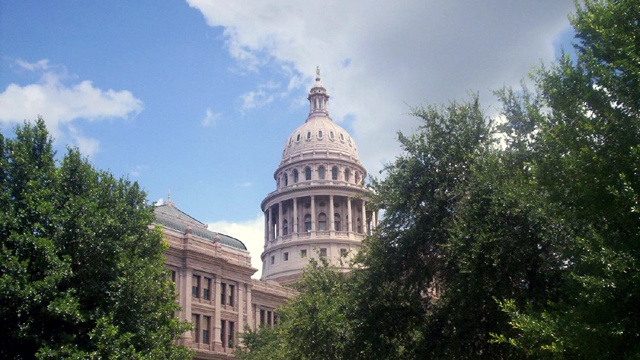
(270, 224)
(186, 276)
(350, 216)
(216, 318)
(280, 219)
(241, 289)
(295, 215)
(257, 317)
(364, 218)
(332, 225)
(266, 228)
(313, 213)
(249, 308)
(374, 219)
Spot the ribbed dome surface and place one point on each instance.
(319, 133)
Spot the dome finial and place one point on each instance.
(318, 98)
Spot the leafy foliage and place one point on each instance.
(587, 162)
(81, 273)
(511, 240)
(313, 325)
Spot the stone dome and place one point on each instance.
(319, 134)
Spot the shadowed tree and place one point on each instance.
(81, 272)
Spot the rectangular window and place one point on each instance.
(273, 259)
(261, 317)
(195, 320)
(206, 329)
(343, 252)
(223, 293)
(303, 253)
(206, 289)
(323, 252)
(173, 276)
(223, 331)
(195, 286)
(286, 256)
(269, 318)
(231, 334)
(232, 289)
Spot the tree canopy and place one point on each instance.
(518, 238)
(81, 271)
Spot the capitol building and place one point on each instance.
(319, 205)
(318, 208)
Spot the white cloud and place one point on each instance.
(60, 103)
(137, 171)
(265, 94)
(210, 118)
(379, 58)
(87, 146)
(250, 232)
(38, 65)
(244, 184)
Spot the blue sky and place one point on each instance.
(196, 98)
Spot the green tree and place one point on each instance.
(81, 272)
(406, 259)
(313, 325)
(587, 167)
(527, 248)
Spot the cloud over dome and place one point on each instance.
(381, 58)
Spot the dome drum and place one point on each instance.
(320, 173)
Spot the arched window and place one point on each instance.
(285, 227)
(295, 175)
(334, 173)
(319, 134)
(298, 137)
(286, 179)
(322, 222)
(307, 222)
(336, 222)
(307, 173)
(347, 175)
(331, 135)
(308, 135)
(321, 172)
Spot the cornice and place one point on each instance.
(306, 188)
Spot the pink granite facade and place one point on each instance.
(212, 273)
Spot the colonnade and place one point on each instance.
(280, 216)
